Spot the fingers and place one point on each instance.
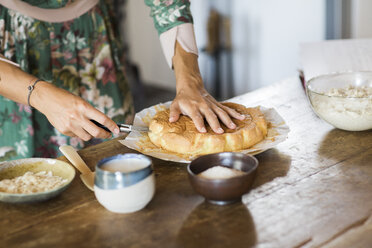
(101, 118)
(174, 113)
(73, 119)
(81, 125)
(212, 120)
(71, 129)
(82, 134)
(197, 112)
(198, 120)
(85, 130)
(199, 105)
(224, 117)
(232, 112)
(95, 131)
(193, 112)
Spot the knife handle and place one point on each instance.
(100, 125)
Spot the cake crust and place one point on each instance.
(183, 137)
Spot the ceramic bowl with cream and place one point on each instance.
(124, 183)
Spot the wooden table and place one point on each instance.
(313, 190)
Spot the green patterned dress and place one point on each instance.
(83, 56)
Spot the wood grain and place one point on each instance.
(313, 190)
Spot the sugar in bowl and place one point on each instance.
(124, 183)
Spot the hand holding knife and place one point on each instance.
(123, 127)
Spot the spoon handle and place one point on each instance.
(75, 159)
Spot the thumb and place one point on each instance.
(174, 113)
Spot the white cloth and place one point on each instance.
(185, 36)
(8, 61)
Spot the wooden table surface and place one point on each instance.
(313, 190)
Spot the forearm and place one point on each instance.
(14, 82)
(14, 85)
(186, 69)
(68, 113)
(193, 100)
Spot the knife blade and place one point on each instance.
(123, 127)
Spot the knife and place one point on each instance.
(123, 127)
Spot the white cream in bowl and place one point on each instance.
(343, 99)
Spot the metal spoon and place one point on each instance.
(87, 176)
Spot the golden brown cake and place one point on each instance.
(183, 137)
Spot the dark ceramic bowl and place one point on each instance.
(223, 191)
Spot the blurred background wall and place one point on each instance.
(144, 45)
(265, 36)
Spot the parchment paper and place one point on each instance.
(277, 133)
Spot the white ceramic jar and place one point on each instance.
(124, 183)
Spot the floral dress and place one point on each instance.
(83, 56)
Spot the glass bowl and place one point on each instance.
(339, 99)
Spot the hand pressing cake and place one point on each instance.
(183, 137)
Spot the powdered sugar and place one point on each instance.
(220, 172)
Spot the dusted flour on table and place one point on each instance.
(220, 172)
(31, 183)
(348, 108)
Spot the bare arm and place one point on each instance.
(193, 100)
(67, 112)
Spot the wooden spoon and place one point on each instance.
(87, 176)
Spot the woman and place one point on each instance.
(71, 71)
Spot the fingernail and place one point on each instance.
(203, 130)
(171, 119)
(232, 125)
(242, 117)
(220, 130)
(116, 131)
